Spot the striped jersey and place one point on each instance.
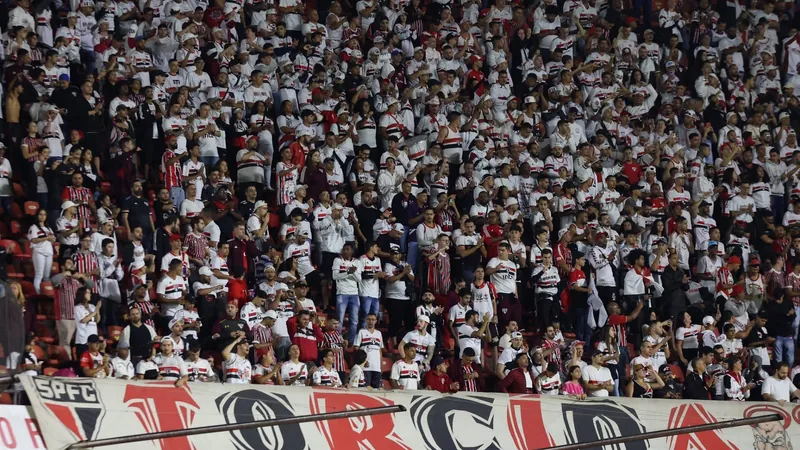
(333, 340)
(291, 369)
(198, 370)
(324, 377)
(173, 173)
(237, 370)
(171, 367)
(406, 375)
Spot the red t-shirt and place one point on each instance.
(437, 382)
(237, 291)
(633, 171)
(492, 231)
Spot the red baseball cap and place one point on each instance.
(734, 260)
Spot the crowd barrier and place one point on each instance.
(73, 409)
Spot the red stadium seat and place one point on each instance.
(16, 228)
(19, 192)
(46, 289)
(677, 371)
(16, 211)
(31, 208)
(114, 332)
(386, 364)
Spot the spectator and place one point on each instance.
(371, 341)
(325, 373)
(87, 316)
(121, 365)
(405, 372)
(572, 387)
(778, 387)
(736, 387)
(93, 363)
(235, 365)
(437, 378)
(200, 369)
(549, 381)
(267, 372)
(306, 335)
(170, 365)
(357, 379)
(293, 371)
(138, 336)
(421, 341)
(698, 383)
(639, 386)
(597, 379)
(520, 379)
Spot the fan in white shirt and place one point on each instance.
(405, 372)
(235, 366)
(326, 375)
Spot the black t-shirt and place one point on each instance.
(780, 322)
(161, 214)
(246, 208)
(138, 209)
(756, 334)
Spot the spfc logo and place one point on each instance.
(75, 403)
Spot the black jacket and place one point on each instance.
(695, 387)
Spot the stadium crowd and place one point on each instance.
(580, 197)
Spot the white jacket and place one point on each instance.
(346, 283)
(332, 234)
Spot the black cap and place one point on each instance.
(93, 339)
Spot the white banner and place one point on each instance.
(71, 409)
(18, 429)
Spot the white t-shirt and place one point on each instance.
(406, 375)
(594, 376)
(779, 389)
(465, 340)
(84, 330)
(372, 344)
(505, 279)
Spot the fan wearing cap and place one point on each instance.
(518, 346)
(121, 365)
(93, 363)
(725, 283)
(438, 379)
(422, 343)
(69, 228)
(236, 367)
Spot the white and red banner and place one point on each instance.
(18, 429)
(70, 410)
